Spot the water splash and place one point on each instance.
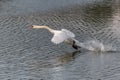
(95, 45)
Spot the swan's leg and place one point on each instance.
(75, 46)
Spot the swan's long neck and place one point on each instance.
(45, 27)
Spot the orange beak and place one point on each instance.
(30, 27)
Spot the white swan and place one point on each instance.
(60, 36)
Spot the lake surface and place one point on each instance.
(27, 54)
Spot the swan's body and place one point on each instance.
(60, 36)
(68, 37)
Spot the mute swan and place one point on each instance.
(60, 36)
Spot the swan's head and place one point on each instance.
(36, 26)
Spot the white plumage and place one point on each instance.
(59, 36)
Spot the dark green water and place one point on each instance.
(27, 54)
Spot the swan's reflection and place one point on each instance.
(59, 71)
(53, 62)
(67, 57)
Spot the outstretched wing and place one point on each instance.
(59, 37)
(68, 33)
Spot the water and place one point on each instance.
(27, 54)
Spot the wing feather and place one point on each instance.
(69, 33)
(61, 36)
